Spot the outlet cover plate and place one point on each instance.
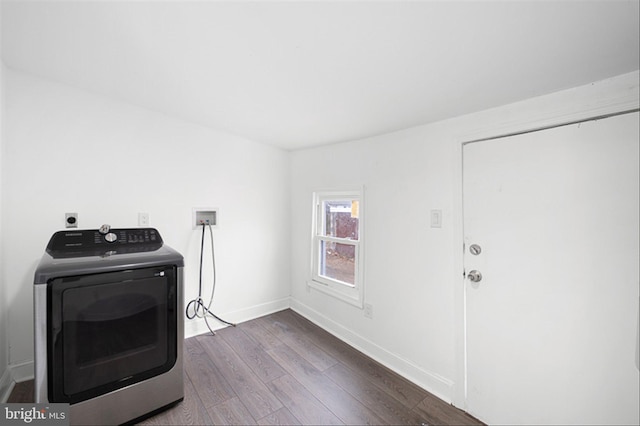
(368, 310)
(71, 220)
(143, 219)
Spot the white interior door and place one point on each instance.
(552, 327)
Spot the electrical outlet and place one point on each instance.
(205, 216)
(71, 220)
(368, 310)
(143, 219)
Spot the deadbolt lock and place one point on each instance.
(475, 249)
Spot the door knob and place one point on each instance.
(475, 276)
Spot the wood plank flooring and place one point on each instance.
(283, 369)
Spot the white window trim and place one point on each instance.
(352, 294)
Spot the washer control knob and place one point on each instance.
(104, 229)
(111, 237)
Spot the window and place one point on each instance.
(337, 244)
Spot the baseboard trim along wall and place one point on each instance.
(197, 326)
(22, 372)
(429, 381)
(6, 385)
(15, 373)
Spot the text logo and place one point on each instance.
(35, 414)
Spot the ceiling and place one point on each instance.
(299, 74)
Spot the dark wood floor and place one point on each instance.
(282, 369)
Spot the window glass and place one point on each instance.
(337, 252)
(337, 261)
(340, 220)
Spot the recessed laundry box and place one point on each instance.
(108, 324)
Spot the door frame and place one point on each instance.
(605, 98)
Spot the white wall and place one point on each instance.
(4, 381)
(413, 273)
(70, 151)
(408, 267)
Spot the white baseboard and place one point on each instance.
(15, 373)
(22, 372)
(6, 385)
(429, 381)
(197, 326)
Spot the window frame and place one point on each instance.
(350, 293)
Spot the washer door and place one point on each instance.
(107, 331)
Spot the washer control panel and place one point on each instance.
(103, 241)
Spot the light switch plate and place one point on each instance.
(436, 218)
